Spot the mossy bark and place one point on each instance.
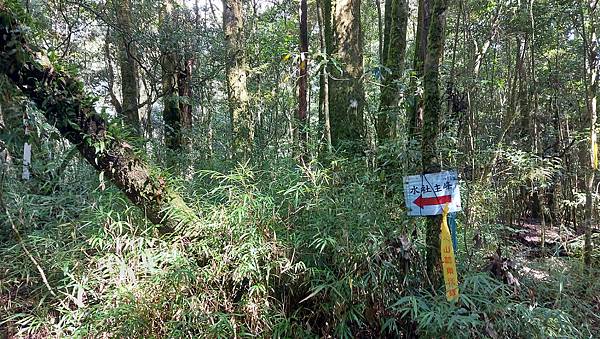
(431, 126)
(347, 96)
(129, 68)
(176, 77)
(242, 125)
(70, 108)
(394, 51)
(415, 111)
(171, 112)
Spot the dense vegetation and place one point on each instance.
(235, 168)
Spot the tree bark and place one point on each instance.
(184, 87)
(416, 106)
(431, 125)
(67, 106)
(326, 41)
(303, 81)
(171, 110)
(592, 78)
(237, 92)
(394, 52)
(346, 88)
(176, 84)
(129, 69)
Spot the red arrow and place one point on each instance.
(422, 202)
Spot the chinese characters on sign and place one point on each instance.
(427, 194)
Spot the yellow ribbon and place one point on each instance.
(448, 260)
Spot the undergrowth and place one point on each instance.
(282, 252)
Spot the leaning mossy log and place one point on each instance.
(67, 106)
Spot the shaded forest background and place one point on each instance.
(235, 168)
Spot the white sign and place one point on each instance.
(427, 194)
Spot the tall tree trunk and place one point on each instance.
(303, 81)
(592, 78)
(431, 125)
(385, 36)
(237, 92)
(394, 50)
(347, 94)
(184, 87)
(326, 41)
(416, 105)
(130, 91)
(523, 94)
(380, 27)
(176, 83)
(72, 112)
(171, 109)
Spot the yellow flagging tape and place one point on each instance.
(448, 260)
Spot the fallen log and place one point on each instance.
(67, 105)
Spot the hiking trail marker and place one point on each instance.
(427, 194)
(448, 259)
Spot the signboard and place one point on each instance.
(427, 194)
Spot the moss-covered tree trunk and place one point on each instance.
(171, 112)
(431, 125)
(394, 50)
(184, 88)
(347, 96)
(415, 112)
(176, 82)
(237, 92)
(128, 65)
(70, 108)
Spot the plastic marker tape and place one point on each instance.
(448, 260)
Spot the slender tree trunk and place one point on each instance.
(431, 125)
(326, 41)
(241, 118)
(129, 69)
(533, 87)
(347, 95)
(395, 50)
(523, 93)
(110, 73)
(303, 81)
(72, 112)
(592, 78)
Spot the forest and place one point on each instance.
(299, 169)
